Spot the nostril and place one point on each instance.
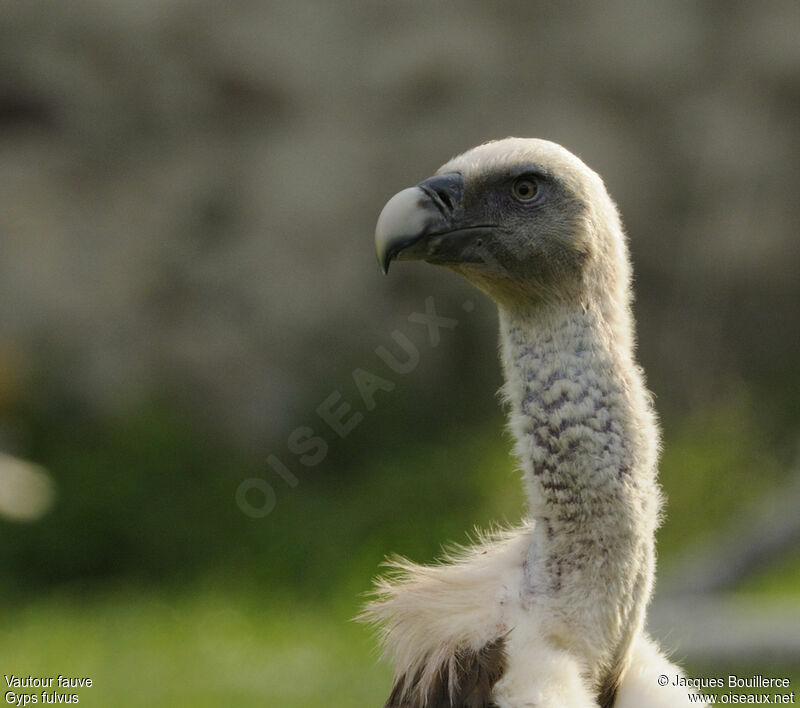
(445, 197)
(445, 191)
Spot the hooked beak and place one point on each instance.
(424, 223)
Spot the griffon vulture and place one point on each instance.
(550, 614)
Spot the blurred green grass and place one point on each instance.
(201, 648)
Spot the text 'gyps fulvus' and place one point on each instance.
(550, 614)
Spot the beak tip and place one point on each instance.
(403, 216)
(384, 260)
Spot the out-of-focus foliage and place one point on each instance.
(713, 460)
(151, 497)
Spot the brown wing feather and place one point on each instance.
(608, 690)
(608, 694)
(476, 673)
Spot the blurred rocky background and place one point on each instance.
(186, 269)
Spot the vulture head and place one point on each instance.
(522, 219)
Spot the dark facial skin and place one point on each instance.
(534, 249)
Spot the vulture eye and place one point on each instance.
(525, 189)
